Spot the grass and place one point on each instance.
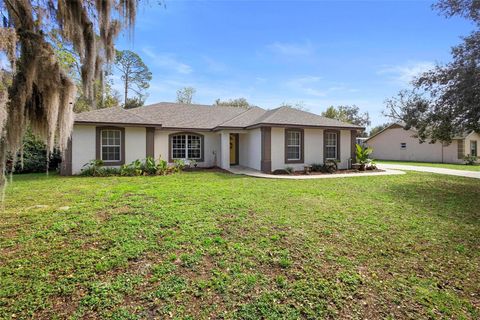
(434, 164)
(212, 245)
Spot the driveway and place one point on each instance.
(450, 172)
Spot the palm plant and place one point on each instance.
(363, 156)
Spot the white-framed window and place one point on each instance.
(186, 146)
(331, 151)
(403, 145)
(473, 148)
(110, 144)
(294, 145)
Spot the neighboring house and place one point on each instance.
(220, 136)
(396, 143)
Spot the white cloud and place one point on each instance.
(307, 85)
(405, 73)
(292, 49)
(314, 86)
(168, 61)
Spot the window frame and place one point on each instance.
(337, 146)
(99, 145)
(301, 133)
(472, 143)
(187, 149)
(403, 146)
(119, 145)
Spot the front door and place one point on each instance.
(233, 149)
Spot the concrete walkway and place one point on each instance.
(258, 174)
(450, 172)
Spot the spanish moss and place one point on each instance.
(40, 94)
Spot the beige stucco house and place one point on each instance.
(396, 143)
(220, 136)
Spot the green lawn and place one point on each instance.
(434, 164)
(213, 245)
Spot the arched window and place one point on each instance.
(186, 146)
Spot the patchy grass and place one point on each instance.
(454, 166)
(214, 245)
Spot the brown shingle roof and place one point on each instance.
(113, 115)
(176, 115)
(292, 116)
(194, 116)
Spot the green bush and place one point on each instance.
(470, 160)
(363, 156)
(96, 168)
(330, 166)
(162, 167)
(178, 165)
(149, 166)
(35, 156)
(289, 169)
(135, 168)
(317, 167)
(93, 169)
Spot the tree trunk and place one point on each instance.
(126, 92)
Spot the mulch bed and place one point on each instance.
(341, 171)
(209, 169)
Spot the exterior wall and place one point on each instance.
(211, 146)
(386, 146)
(83, 145)
(135, 144)
(450, 152)
(250, 149)
(313, 146)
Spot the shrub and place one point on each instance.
(363, 156)
(317, 167)
(330, 166)
(162, 167)
(133, 169)
(178, 165)
(149, 166)
(193, 163)
(372, 165)
(109, 171)
(470, 160)
(35, 156)
(93, 168)
(289, 170)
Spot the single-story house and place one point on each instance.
(396, 143)
(220, 136)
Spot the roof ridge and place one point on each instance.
(272, 112)
(238, 115)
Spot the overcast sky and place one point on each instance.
(316, 52)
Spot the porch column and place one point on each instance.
(266, 149)
(150, 142)
(225, 150)
(353, 142)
